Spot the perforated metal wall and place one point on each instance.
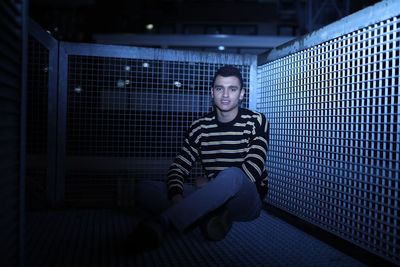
(126, 117)
(334, 155)
(13, 67)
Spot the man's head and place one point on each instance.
(226, 71)
(227, 90)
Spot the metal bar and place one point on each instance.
(193, 40)
(23, 125)
(59, 190)
(51, 69)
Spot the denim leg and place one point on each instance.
(246, 205)
(153, 195)
(228, 185)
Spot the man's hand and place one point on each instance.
(176, 199)
(201, 181)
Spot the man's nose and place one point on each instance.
(225, 93)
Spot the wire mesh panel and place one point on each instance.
(126, 117)
(334, 155)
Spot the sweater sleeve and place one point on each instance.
(180, 168)
(254, 163)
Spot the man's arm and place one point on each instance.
(180, 169)
(254, 162)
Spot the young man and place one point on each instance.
(232, 143)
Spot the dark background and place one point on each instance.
(79, 20)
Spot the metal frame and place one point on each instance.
(193, 40)
(22, 167)
(54, 189)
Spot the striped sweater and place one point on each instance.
(241, 143)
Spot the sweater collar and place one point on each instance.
(229, 123)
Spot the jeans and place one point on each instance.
(231, 187)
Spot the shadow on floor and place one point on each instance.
(97, 238)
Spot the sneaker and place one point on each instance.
(148, 235)
(217, 225)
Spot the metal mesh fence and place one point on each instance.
(126, 118)
(334, 155)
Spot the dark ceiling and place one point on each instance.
(78, 20)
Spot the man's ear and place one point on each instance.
(212, 92)
(241, 96)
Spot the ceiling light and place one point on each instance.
(178, 84)
(149, 27)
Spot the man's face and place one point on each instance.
(227, 93)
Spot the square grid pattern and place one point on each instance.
(334, 155)
(127, 117)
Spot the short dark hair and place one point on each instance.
(227, 71)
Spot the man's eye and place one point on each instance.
(218, 88)
(234, 89)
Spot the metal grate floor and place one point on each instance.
(95, 238)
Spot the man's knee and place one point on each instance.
(232, 175)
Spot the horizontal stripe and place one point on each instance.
(222, 151)
(206, 119)
(191, 147)
(262, 139)
(259, 148)
(180, 167)
(201, 127)
(174, 181)
(189, 153)
(255, 156)
(225, 134)
(176, 170)
(184, 160)
(255, 167)
(244, 124)
(248, 173)
(233, 142)
(223, 160)
(176, 185)
(222, 134)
